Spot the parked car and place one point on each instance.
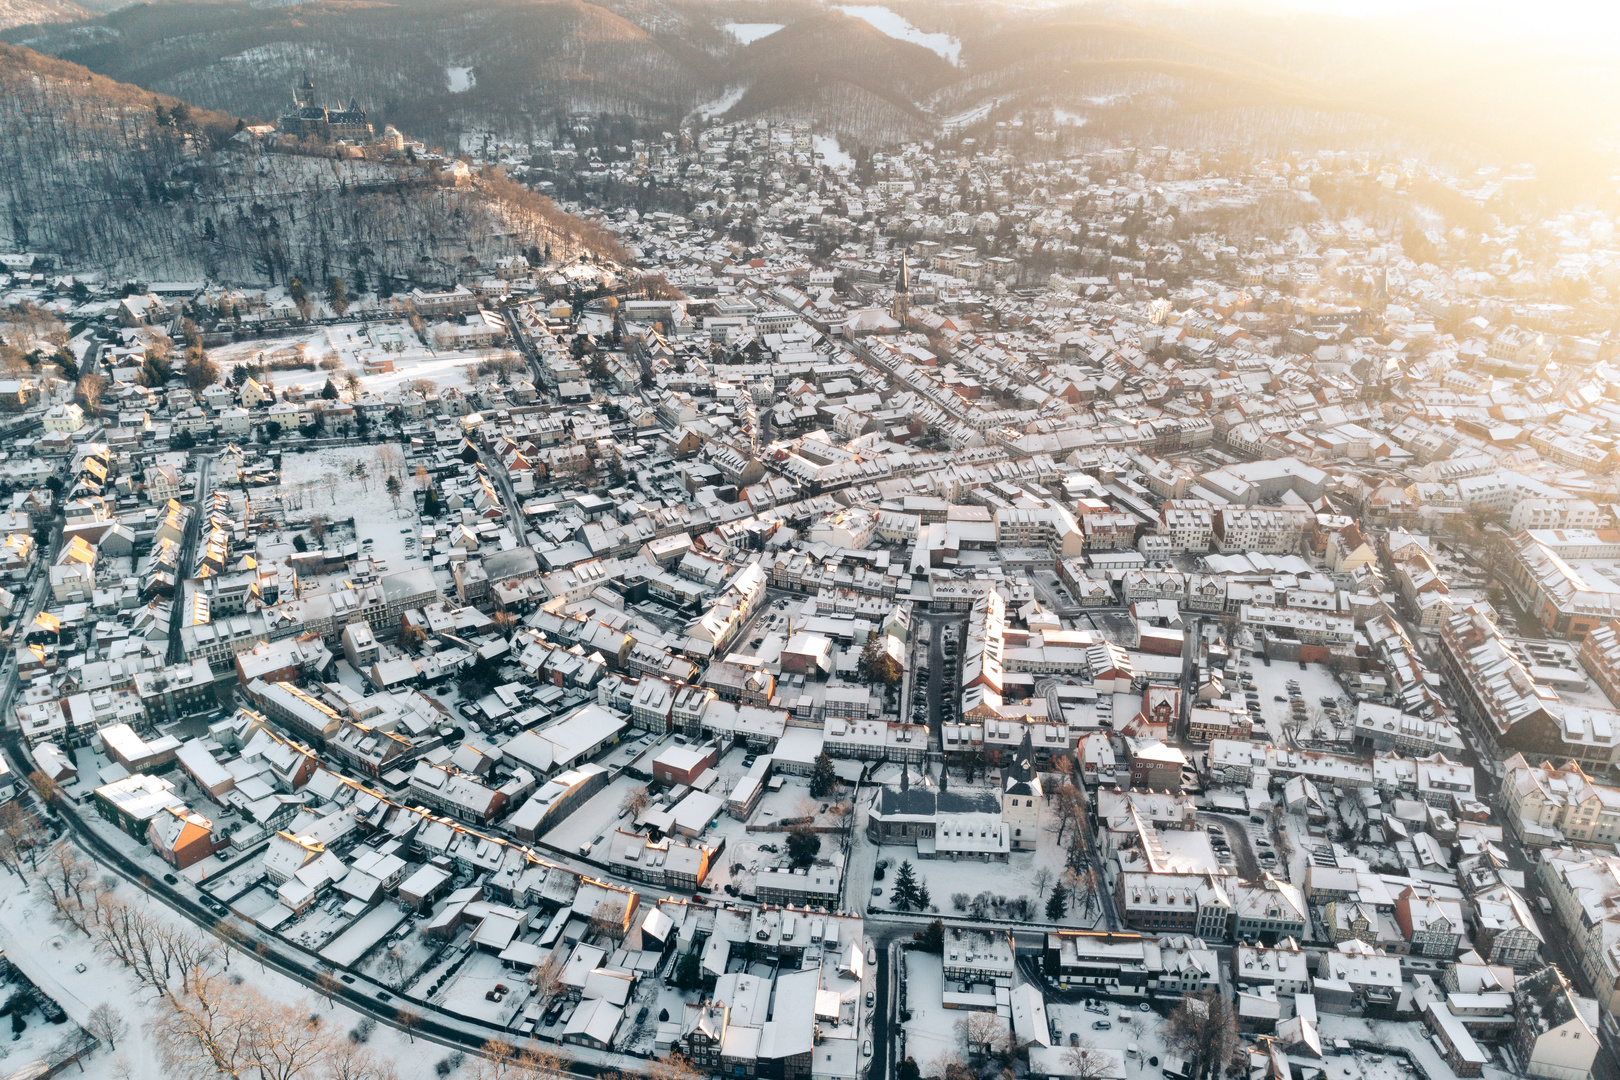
(1101, 1025)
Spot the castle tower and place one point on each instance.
(304, 95)
(902, 292)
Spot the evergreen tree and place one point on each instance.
(823, 777)
(1057, 905)
(329, 391)
(803, 845)
(689, 972)
(905, 886)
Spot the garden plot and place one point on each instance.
(316, 927)
(396, 965)
(364, 934)
(466, 994)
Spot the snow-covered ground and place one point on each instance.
(748, 33)
(329, 351)
(460, 79)
(1010, 879)
(376, 517)
(720, 105)
(832, 154)
(600, 816)
(900, 28)
(52, 957)
(1064, 116)
(931, 1032)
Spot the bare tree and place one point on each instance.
(1043, 881)
(1086, 1062)
(282, 1043)
(389, 459)
(545, 979)
(49, 790)
(1070, 809)
(394, 962)
(983, 1037)
(348, 1060)
(70, 887)
(675, 1067)
(1204, 1027)
(21, 838)
(408, 1021)
(234, 938)
(496, 1060)
(607, 920)
(202, 1036)
(107, 1024)
(635, 801)
(328, 986)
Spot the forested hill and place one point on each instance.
(1178, 75)
(112, 179)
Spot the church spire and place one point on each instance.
(902, 292)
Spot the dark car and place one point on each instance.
(171, 879)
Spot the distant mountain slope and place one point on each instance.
(26, 12)
(1183, 75)
(23, 12)
(111, 178)
(532, 60)
(843, 73)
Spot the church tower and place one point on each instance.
(304, 95)
(902, 292)
(1021, 797)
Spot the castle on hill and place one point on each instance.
(306, 119)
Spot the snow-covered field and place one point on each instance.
(722, 104)
(51, 957)
(748, 33)
(329, 351)
(460, 79)
(900, 28)
(832, 154)
(366, 499)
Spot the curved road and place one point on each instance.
(367, 999)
